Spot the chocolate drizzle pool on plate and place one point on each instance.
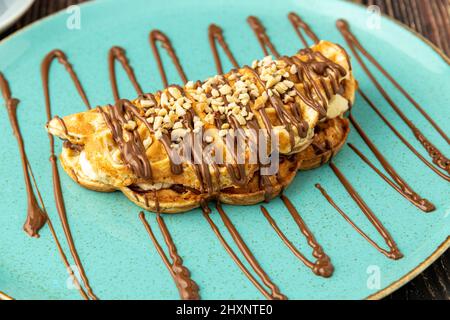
(215, 33)
(261, 35)
(299, 26)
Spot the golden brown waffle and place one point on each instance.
(131, 146)
(328, 140)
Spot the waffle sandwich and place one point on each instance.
(294, 106)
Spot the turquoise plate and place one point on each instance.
(118, 256)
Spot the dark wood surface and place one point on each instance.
(431, 18)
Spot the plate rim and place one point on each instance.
(395, 285)
(10, 21)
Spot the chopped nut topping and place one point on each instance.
(232, 76)
(241, 119)
(288, 84)
(130, 125)
(178, 125)
(226, 89)
(180, 111)
(162, 112)
(157, 123)
(158, 135)
(175, 93)
(190, 85)
(177, 134)
(147, 103)
(167, 119)
(149, 112)
(215, 93)
(272, 81)
(281, 88)
(164, 100)
(293, 69)
(147, 142)
(209, 118)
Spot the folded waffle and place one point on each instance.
(138, 146)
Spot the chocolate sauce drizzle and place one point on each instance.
(237, 172)
(394, 253)
(132, 148)
(33, 223)
(397, 182)
(299, 26)
(273, 293)
(261, 35)
(291, 117)
(356, 47)
(201, 170)
(401, 186)
(57, 242)
(316, 64)
(60, 56)
(119, 54)
(322, 266)
(36, 217)
(158, 36)
(126, 107)
(134, 154)
(401, 137)
(187, 288)
(215, 33)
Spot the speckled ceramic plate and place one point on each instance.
(118, 256)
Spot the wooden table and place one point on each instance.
(431, 18)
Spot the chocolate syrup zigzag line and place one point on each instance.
(61, 57)
(36, 217)
(394, 252)
(187, 287)
(355, 46)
